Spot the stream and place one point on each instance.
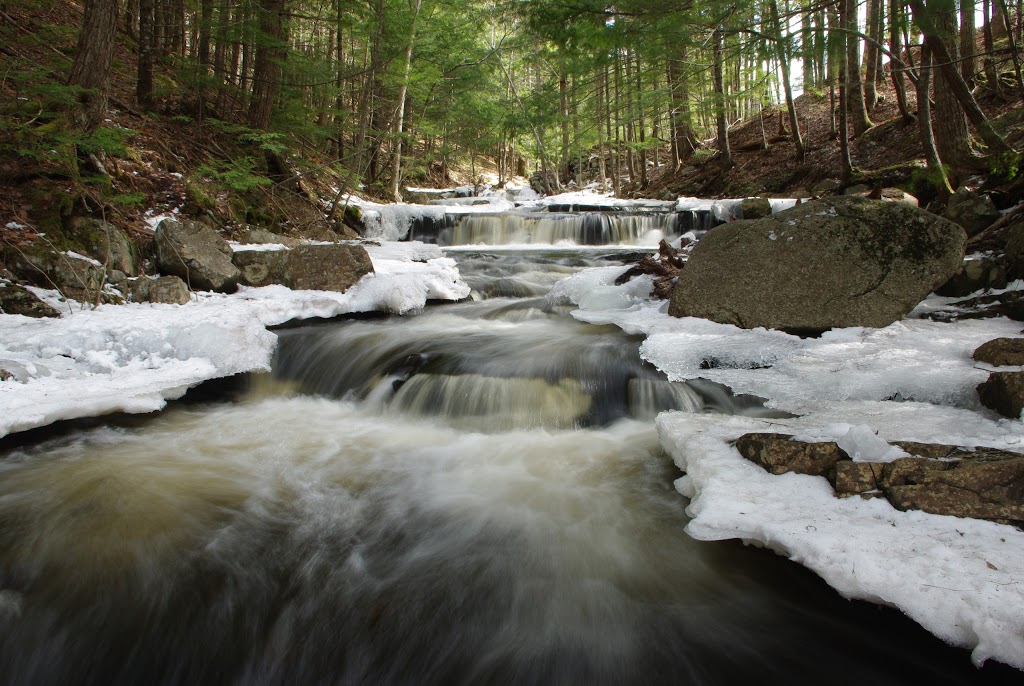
(474, 494)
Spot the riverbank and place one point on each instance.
(914, 381)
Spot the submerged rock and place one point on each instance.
(195, 253)
(828, 263)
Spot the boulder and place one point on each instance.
(74, 275)
(17, 300)
(1015, 249)
(826, 186)
(855, 478)
(829, 263)
(106, 243)
(755, 208)
(975, 274)
(261, 267)
(1004, 393)
(327, 267)
(165, 289)
(973, 211)
(1001, 352)
(197, 254)
(986, 485)
(307, 267)
(780, 454)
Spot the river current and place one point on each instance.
(472, 495)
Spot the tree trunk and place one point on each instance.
(722, 125)
(845, 159)
(898, 82)
(991, 76)
(968, 36)
(952, 137)
(924, 120)
(871, 54)
(144, 79)
(780, 50)
(953, 79)
(857, 108)
(1013, 43)
(270, 51)
(396, 168)
(91, 69)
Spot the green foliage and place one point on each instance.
(237, 175)
(1005, 165)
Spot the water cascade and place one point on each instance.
(471, 495)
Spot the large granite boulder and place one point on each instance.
(835, 262)
(195, 253)
(74, 275)
(308, 267)
(169, 290)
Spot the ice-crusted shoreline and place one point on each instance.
(135, 357)
(959, 578)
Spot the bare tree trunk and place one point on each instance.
(854, 85)
(91, 69)
(895, 45)
(924, 120)
(1013, 43)
(722, 125)
(780, 50)
(396, 168)
(991, 76)
(968, 36)
(845, 160)
(950, 126)
(871, 54)
(270, 50)
(144, 79)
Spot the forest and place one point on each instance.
(385, 94)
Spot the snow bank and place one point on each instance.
(959, 578)
(134, 357)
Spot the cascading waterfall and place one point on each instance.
(471, 495)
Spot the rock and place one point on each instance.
(327, 267)
(197, 254)
(975, 274)
(264, 237)
(664, 267)
(17, 300)
(779, 454)
(1004, 393)
(854, 478)
(857, 189)
(7, 376)
(75, 276)
(829, 263)
(1015, 249)
(1001, 352)
(106, 244)
(989, 485)
(973, 211)
(312, 267)
(899, 195)
(117, 279)
(826, 186)
(165, 289)
(755, 208)
(261, 267)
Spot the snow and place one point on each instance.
(135, 357)
(913, 380)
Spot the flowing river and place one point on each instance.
(472, 495)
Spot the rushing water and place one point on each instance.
(474, 495)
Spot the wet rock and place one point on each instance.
(106, 244)
(17, 300)
(830, 263)
(755, 208)
(664, 267)
(779, 454)
(971, 210)
(975, 274)
(165, 289)
(197, 254)
(1004, 393)
(312, 267)
(1001, 352)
